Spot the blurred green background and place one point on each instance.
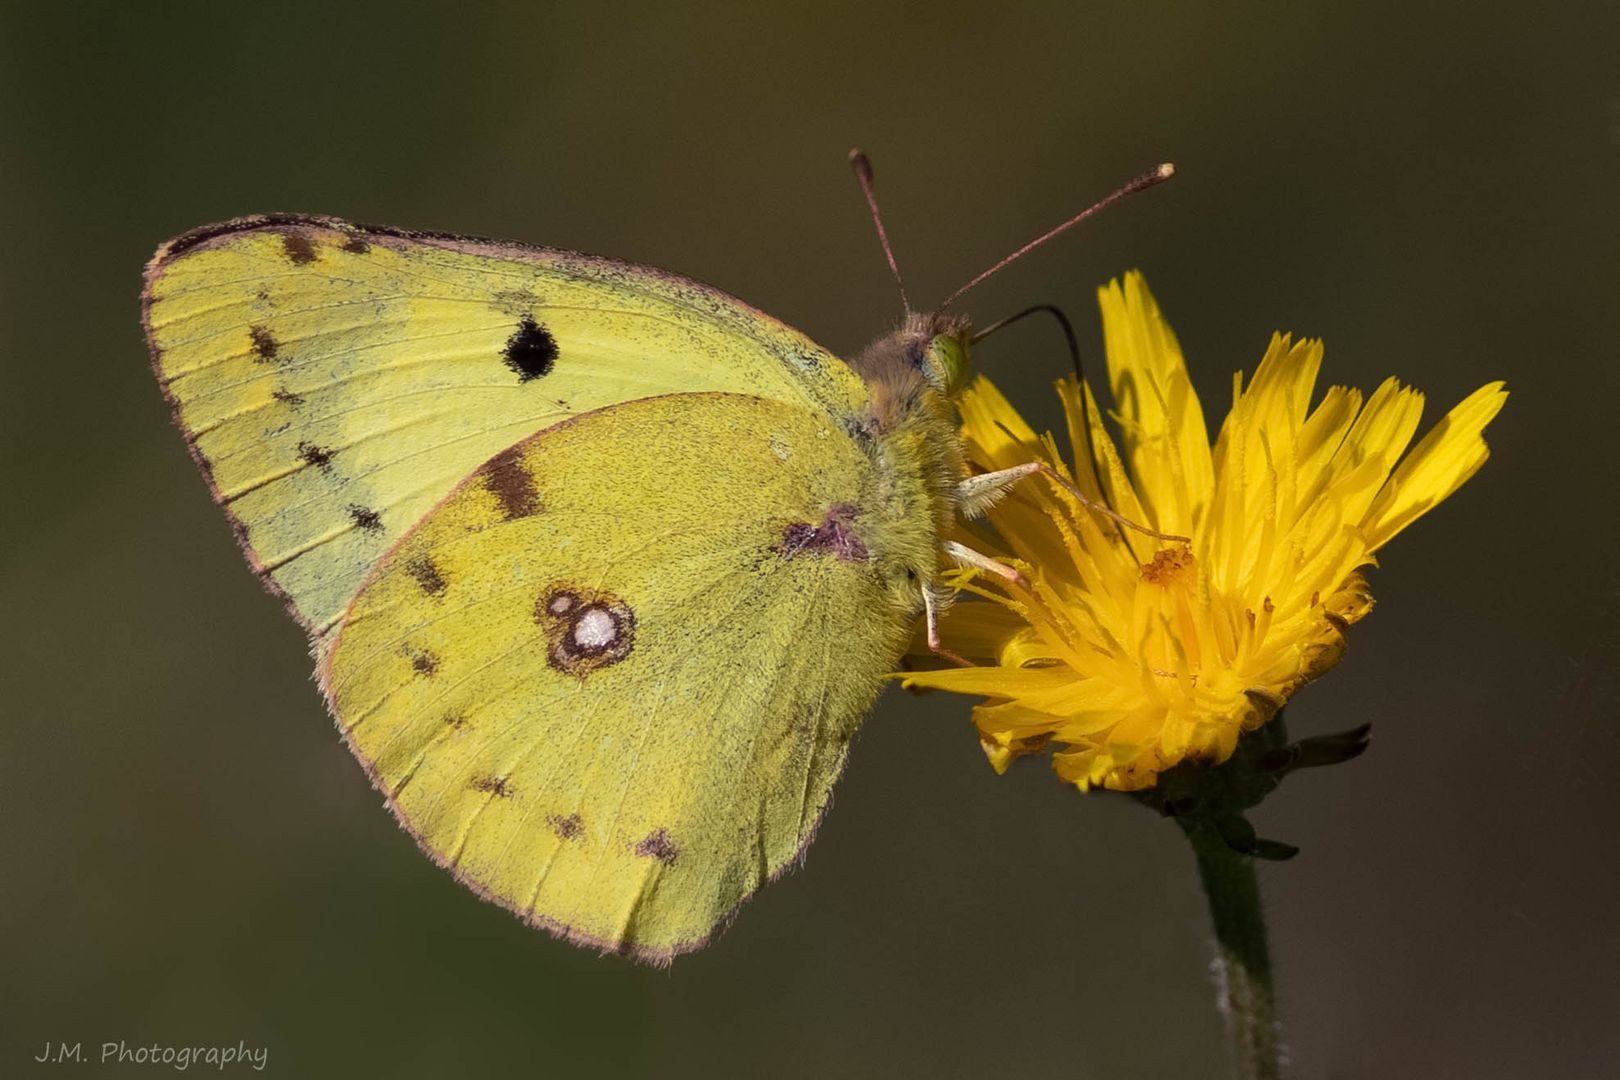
(192, 858)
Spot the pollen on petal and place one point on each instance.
(1168, 566)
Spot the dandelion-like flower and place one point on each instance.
(1133, 653)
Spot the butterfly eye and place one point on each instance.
(947, 364)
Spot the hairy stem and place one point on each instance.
(1243, 963)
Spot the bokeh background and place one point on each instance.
(192, 858)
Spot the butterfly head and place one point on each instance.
(929, 355)
(938, 347)
(947, 363)
(932, 351)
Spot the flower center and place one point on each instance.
(1171, 566)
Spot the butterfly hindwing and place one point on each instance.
(336, 381)
(610, 679)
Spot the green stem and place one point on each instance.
(1245, 990)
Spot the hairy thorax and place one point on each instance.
(911, 433)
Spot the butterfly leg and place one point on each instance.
(962, 555)
(931, 614)
(978, 493)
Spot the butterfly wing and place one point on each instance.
(610, 679)
(336, 381)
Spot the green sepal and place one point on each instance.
(1213, 798)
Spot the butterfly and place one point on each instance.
(601, 567)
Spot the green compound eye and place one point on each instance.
(948, 363)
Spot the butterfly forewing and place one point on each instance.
(336, 381)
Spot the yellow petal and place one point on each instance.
(1024, 683)
(1165, 439)
(1439, 464)
(997, 437)
(1127, 655)
(1095, 456)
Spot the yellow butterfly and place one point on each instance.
(602, 567)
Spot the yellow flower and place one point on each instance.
(1135, 653)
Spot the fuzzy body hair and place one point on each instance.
(912, 435)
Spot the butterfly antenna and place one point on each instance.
(1080, 387)
(863, 175)
(1141, 183)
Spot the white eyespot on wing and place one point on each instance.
(595, 629)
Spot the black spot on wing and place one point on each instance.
(571, 827)
(427, 575)
(531, 351)
(494, 785)
(356, 244)
(265, 345)
(507, 478)
(424, 663)
(834, 536)
(298, 246)
(366, 518)
(287, 397)
(319, 456)
(658, 845)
